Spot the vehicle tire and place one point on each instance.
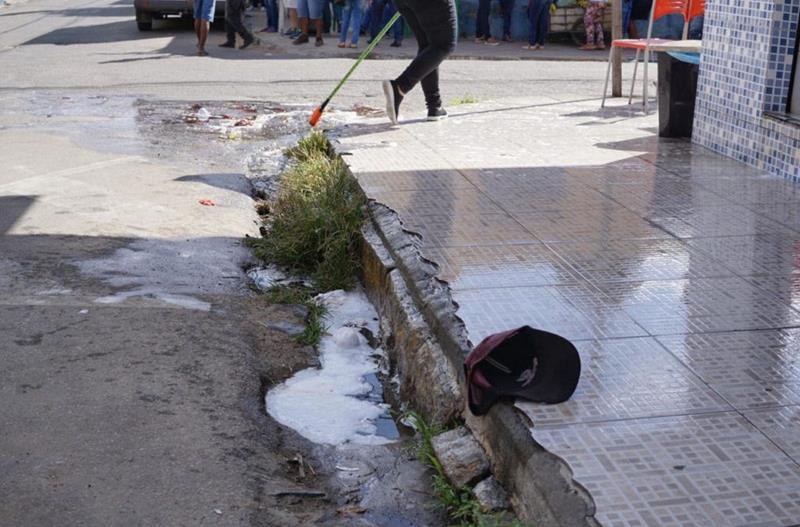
(144, 20)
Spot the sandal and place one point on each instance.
(352, 46)
(341, 45)
(530, 47)
(588, 47)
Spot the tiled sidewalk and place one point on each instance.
(675, 271)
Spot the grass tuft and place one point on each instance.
(304, 296)
(312, 145)
(460, 504)
(464, 99)
(315, 326)
(316, 218)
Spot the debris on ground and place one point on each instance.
(351, 510)
(300, 494)
(367, 111)
(267, 277)
(207, 202)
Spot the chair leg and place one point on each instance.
(635, 68)
(644, 89)
(608, 75)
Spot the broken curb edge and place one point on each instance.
(429, 346)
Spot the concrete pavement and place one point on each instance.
(673, 269)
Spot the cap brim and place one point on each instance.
(480, 398)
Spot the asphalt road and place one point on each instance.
(46, 44)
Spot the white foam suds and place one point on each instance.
(183, 301)
(323, 404)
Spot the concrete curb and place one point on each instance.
(428, 346)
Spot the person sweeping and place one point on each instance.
(435, 26)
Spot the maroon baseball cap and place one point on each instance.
(523, 362)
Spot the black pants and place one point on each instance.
(234, 20)
(434, 24)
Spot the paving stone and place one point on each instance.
(462, 458)
(491, 495)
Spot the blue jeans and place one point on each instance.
(482, 29)
(696, 27)
(380, 13)
(351, 14)
(539, 19)
(507, 8)
(203, 10)
(669, 26)
(627, 8)
(310, 8)
(272, 14)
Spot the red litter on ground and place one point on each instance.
(207, 202)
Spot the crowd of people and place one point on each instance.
(309, 19)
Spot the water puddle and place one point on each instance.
(341, 402)
(171, 272)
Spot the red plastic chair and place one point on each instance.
(660, 9)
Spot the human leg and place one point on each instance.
(507, 7)
(600, 40)
(325, 14)
(398, 27)
(588, 23)
(315, 8)
(482, 31)
(294, 20)
(230, 34)
(203, 35)
(434, 24)
(302, 17)
(234, 21)
(357, 13)
(347, 12)
(376, 20)
(534, 13)
(544, 23)
(627, 9)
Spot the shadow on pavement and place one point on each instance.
(229, 181)
(11, 210)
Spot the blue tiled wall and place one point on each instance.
(748, 51)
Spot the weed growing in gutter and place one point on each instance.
(312, 227)
(315, 326)
(298, 295)
(314, 222)
(309, 147)
(460, 504)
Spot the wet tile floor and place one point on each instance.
(674, 270)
